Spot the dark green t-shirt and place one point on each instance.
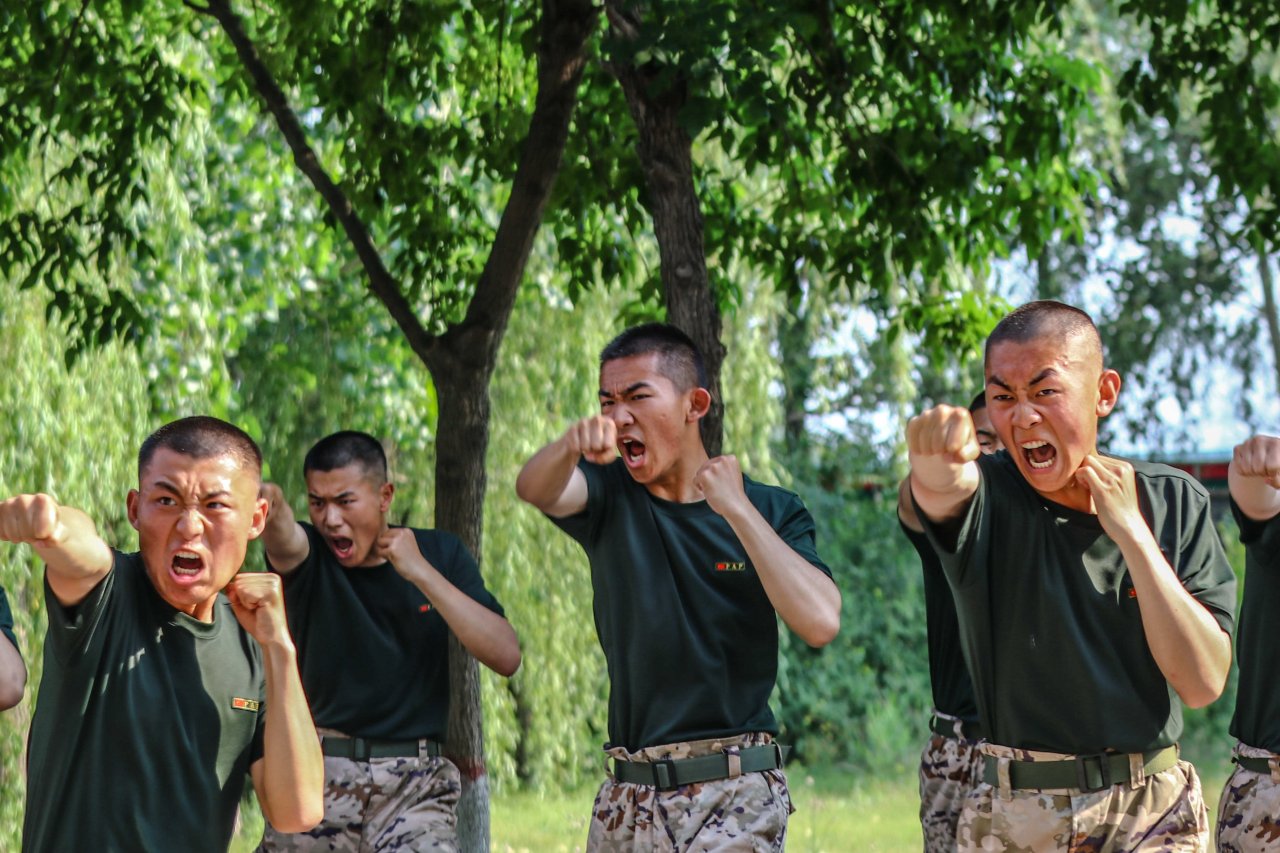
(146, 723)
(1051, 626)
(948, 674)
(689, 635)
(1257, 718)
(6, 620)
(373, 652)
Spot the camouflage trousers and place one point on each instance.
(386, 805)
(949, 768)
(1249, 811)
(743, 815)
(1162, 813)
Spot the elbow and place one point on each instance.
(302, 818)
(1200, 697)
(12, 687)
(524, 489)
(509, 661)
(822, 631)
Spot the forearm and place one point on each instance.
(1189, 646)
(546, 475)
(806, 599)
(943, 490)
(13, 674)
(1256, 498)
(82, 554)
(488, 636)
(292, 785)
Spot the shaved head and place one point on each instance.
(1047, 320)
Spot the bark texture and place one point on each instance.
(666, 154)
(461, 360)
(1269, 308)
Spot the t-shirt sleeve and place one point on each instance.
(1262, 538)
(72, 629)
(6, 620)
(1202, 564)
(315, 543)
(585, 526)
(461, 571)
(797, 530)
(257, 748)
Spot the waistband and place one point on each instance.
(366, 749)
(1088, 773)
(949, 726)
(668, 774)
(1257, 760)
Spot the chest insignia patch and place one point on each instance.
(731, 567)
(424, 608)
(1133, 593)
(245, 704)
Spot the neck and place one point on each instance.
(202, 611)
(373, 558)
(676, 483)
(1075, 494)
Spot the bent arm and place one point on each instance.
(289, 778)
(942, 489)
(488, 636)
(75, 557)
(551, 481)
(284, 540)
(1255, 495)
(806, 599)
(1189, 646)
(13, 675)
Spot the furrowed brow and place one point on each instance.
(1047, 373)
(996, 380)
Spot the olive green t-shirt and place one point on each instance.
(948, 674)
(6, 620)
(146, 723)
(372, 651)
(1257, 717)
(1050, 620)
(689, 635)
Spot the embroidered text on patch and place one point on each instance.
(246, 704)
(731, 567)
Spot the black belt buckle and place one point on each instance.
(664, 767)
(1104, 771)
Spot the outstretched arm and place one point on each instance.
(283, 538)
(551, 481)
(1189, 646)
(75, 557)
(806, 599)
(289, 778)
(488, 636)
(1254, 477)
(942, 447)
(13, 675)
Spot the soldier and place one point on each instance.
(1249, 811)
(1092, 594)
(371, 606)
(159, 692)
(13, 672)
(690, 560)
(951, 763)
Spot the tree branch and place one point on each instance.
(381, 282)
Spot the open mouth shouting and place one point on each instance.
(186, 567)
(1040, 455)
(632, 452)
(343, 546)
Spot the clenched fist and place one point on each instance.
(399, 547)
(258, 601)
(1259, 457)
(1114, 489)
(720, 481)
(946, 432)
(32, 519)
(595, 437)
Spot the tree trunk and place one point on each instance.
(462, 360)
(666, 154)
(1269, 308)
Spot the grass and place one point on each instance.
(837, 811)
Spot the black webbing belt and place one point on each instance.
(668, 774)
(947, 728)
(1086, 772)
(364, 749)
(1257, 765)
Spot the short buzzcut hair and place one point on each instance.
(349, 447)
(979, 402)
(679, 358)
(1042, 318)
(203, 437)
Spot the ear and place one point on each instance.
(132, 503)
(1108, 392)
(699, 404)
(259, 523)
(385, 494)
